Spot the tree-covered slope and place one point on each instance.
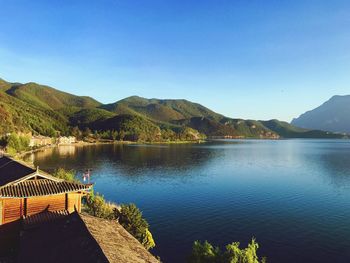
(250, 128)
(286, 130)
(41, 109)
(161, 110)
(333, 115)
(208, 127)
(21, 116)
(38, 109)
(84, 117)
(129, 127)
(49, 98)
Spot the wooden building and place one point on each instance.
(40, 222)
(25, 191)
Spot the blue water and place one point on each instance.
(292, 195)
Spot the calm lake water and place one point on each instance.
(292, 195)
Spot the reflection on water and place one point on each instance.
(128, 158)
(292, 195)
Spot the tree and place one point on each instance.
(114, 135)
(97, 136)
(15, 143)
(130, 217)
(121, 135)
(97, 206)
(206, 253)
(189, 134)
(68, 175)
(86, 133)
(168, 135)
(76, 133)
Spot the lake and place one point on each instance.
(292, 195)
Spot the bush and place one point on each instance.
(15, 143)
(130, 217)
(206, 253)
(189, 134)
(68, 175)
(97, 206)
(148, 241)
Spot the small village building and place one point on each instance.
(40, 140)
(25, 191)
(66, 140)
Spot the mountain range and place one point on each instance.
(333, 115)
(41, 109)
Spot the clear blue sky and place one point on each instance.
(250, 59)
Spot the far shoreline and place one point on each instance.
(84, 143)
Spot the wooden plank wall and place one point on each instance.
(41, 203)
(1, 212)
(12, 209)
(74, 202)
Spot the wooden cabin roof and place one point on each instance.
(18, 180)
(117, 244)
(42, 217)
(11, 170)
(41, 187)
(58, 237)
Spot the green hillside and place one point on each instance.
(250, 128)
(161, 110)
(49, 98)
(84, 117)
(286, 130)
(208, 127)
(38, 109)
(129, 127)
(44, 110)
(17, 115)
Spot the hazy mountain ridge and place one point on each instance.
(333, 115)
(45, 110)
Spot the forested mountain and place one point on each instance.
(20, 115)
(333, 115)
(162, 110)
(49, 98)
(44, 110)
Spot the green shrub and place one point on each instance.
(68, 175)
(148, 241)
(206, 253)
(97, 206)
(15, 143)
(130, 217)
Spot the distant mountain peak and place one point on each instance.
(333, 115)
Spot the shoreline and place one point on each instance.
(84, 143)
